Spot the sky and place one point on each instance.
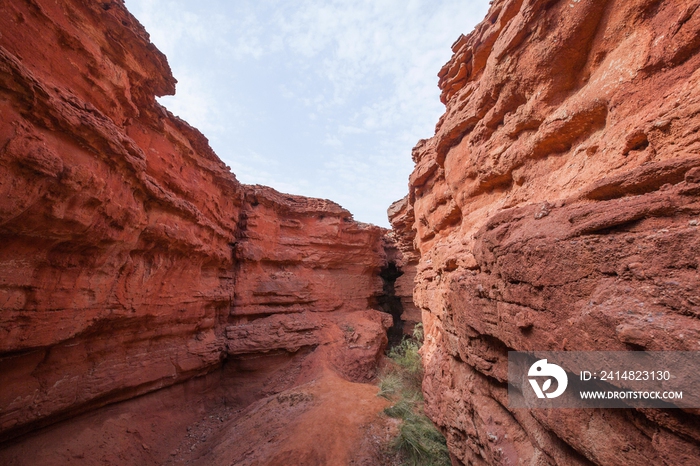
(317, 98)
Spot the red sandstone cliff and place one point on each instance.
(556, 208)
(306, 274)
(131, 258)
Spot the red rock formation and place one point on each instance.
(406, 259)
(131, 257)
(556, 208)
(306, 274)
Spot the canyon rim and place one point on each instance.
(154, 310)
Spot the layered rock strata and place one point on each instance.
(132, 258)
(306, 274)
(556, 208)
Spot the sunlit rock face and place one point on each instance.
(556, 208)
(307, 275)
(131, 257)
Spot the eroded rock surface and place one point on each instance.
(306, 274)
(131, 257)
(405, 257)
(556, 208)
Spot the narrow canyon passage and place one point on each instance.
(145, 291)
(155, 310)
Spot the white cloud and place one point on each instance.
(195, 104)
(333, 141)
(344, 129)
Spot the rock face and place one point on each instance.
(556, 208)
(406, 259)
(306, 274)
(132, 259)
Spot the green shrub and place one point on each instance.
(389, 385)
(419, 442)
(403, 409)
(406, 355)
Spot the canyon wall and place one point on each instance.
(306, 274)
(556, 208)
(405, 257)
(131, 257)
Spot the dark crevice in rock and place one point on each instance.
(390, 303)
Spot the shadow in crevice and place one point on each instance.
(390, 303)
